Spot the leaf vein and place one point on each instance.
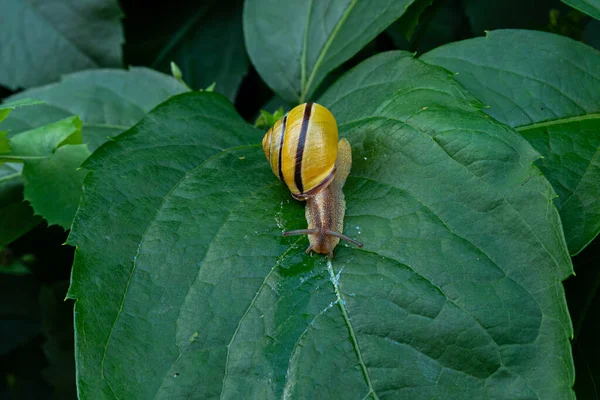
(135, 259)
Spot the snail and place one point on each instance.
(303, 151)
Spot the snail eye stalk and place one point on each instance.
(328, 232)
(301, 232)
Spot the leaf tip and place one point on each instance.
(175, 71)
(210, 88)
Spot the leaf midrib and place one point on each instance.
(340, 301)
(323, 52)
(558, 121)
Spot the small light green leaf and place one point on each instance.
(211, 87)
(107, 101)
(44, 39)
(51, 155)
(42, 142)
(267, 120)
(590, 7)
(548, 88)
(295, 45)
(176, 72)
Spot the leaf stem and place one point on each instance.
(7, 157)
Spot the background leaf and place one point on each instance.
(6, 108)
(293, 58)
(18, 321)
(548, 87)
(404, 28)
(42, 39)
(108, 101)
(525, 14)
(185, 217)
(205, 40)
(16, 216)
(590, 7)
(440, 23)
(56, 326)
(592, 34)
(583, 295)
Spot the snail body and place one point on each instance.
(303, 151)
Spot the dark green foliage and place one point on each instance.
(475, 180)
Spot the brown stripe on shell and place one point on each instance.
(316, 189)
(283, 125)
(268, 148)
(300, 149)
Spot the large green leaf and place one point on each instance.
(548, 87)
(205, 40)
(590, 7)
(51, 156)
(43, 39)
(185, 287)
(108, 101)
(295, 44)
